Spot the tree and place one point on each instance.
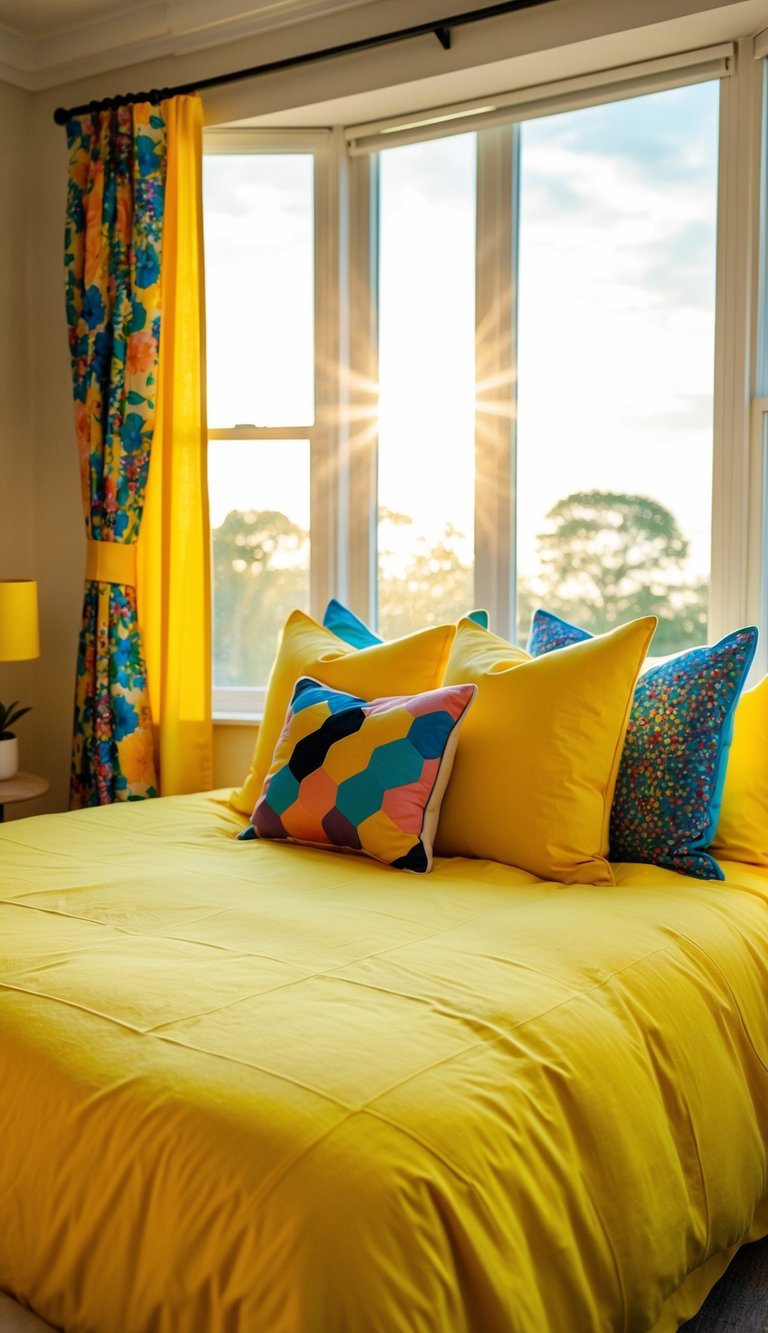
(260, 573)
(420, 584)
(607, 558)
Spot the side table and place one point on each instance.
(22, 787)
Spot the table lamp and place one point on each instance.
(19, 641)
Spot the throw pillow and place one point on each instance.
(742, 830)
(534, 774)
(352, 629)
(410, 665)
(670, 784)
(367, 776)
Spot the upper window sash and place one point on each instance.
(246, 704)
(609, 85)
(240, 139)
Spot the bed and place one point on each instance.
(252, 1086)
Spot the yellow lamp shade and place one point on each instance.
(19, 634)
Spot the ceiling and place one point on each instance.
(40, 18)
(50, 18)
(47, 42)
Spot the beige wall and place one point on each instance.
(51, 505)
(18, 474)
(41, 529)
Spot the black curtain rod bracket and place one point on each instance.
(440, 28)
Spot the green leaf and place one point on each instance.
(10, 714)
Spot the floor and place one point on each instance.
(739, 1301)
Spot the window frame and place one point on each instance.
(244, 703)
(735, 580)
(343, 438)
(496, 265)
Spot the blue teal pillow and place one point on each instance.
(349, 627)
(670, 783)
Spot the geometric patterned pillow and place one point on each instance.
(349, 627)
(364, 776)
(673, 766)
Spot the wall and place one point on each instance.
(42, 520)
(18, 479)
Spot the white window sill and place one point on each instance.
(237, 719)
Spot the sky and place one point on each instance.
(616, 317)
(259, 267)
(617, 265)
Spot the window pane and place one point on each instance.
(259, 270)
(259, 498)
(616, 347)
(426, 369)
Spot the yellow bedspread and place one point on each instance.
(256, 1088)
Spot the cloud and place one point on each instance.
(626, 193)
(436, 173)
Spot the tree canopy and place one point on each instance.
(608, 557)
(260, 573)
(431, 586)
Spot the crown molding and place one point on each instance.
(147, 32)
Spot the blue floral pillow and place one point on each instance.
(670, 784)
(349, 627)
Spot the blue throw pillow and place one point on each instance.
(670, 784)
(549, 632)
(349, 627)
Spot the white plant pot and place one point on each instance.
(9, 758)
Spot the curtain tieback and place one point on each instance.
(110, 562)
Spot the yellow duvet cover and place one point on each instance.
(257, 1088)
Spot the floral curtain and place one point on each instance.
(113, 256)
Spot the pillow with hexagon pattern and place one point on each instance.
(414, 663)
(362, 775)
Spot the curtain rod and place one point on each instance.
(440, 28)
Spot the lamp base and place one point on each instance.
(9, 758)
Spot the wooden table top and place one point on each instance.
(22, 787)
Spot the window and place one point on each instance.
(260, 225)
(259, 504)
(593, 298)
(426, 303)
(470, 368)
(617, 230)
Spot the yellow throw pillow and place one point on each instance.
(537, 759)
(409, 665)
(742, 829)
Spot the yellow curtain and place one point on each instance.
(173, 577)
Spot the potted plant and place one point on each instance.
(9, 745)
